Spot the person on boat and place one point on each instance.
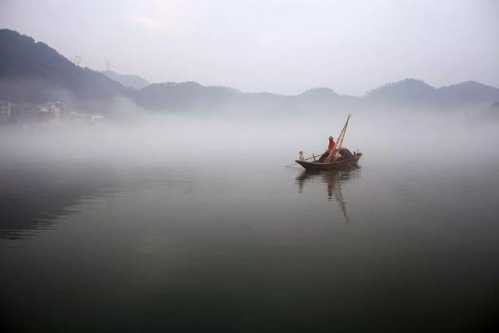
(332, 144)
(301, 158)
(330, 147)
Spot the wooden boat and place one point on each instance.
(343, 163)
(343, 158)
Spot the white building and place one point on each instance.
(52, 111)
(56, 109)
(90, 118)
(5, 111)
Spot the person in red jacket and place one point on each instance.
(330, 147)
(332, 144)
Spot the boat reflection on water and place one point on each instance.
(335, 180)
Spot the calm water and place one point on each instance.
(246, 245)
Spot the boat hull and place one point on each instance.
(351, 162)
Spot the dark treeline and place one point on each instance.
(32, 72)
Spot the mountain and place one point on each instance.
(129, 81)
(326, 99)
(320, 93)
(489, 115)
(468, 94)
(33, 72)
(191, 96)
(409, 94)
(184, 96)
(405, 91)
(415, 94)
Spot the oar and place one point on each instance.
(314, 156)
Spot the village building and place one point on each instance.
(5, 111)
(48, 113)
(31, 113)
(51, 112)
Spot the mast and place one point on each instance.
(334, 153)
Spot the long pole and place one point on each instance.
(338, 146)
(308, 158)
(334, 153)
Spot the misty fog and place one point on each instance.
(274, 140)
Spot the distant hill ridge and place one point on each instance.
(33, 72)
(408, 88)
(129, 81)
(416, 93)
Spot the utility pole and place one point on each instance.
(108, 64)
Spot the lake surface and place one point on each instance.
(240, 244)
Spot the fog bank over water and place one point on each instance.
(197, 138)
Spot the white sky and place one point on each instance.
(280, 46)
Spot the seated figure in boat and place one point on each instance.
(301, 158)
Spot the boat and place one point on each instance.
(337, 158)
(343, 162)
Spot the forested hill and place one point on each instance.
(33, 72)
